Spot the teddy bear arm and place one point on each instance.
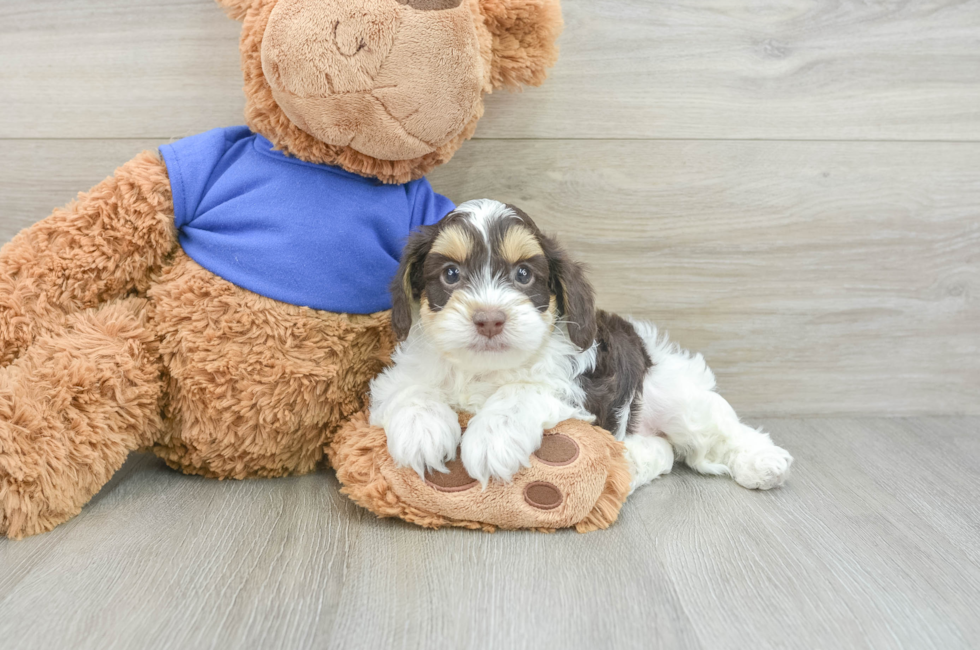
(102, 246)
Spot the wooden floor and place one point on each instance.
(874, 543)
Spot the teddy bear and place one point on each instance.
(222, 302)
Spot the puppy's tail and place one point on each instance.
(670, 356)
(678, 396)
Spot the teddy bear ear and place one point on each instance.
(236, 8)
(525, 34)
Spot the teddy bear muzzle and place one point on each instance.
(365, 74)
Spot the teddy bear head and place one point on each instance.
(385, 88)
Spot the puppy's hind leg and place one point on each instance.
(649, 457)
(679, 400)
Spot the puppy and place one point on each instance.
(497, 321)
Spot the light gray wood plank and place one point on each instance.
(872, 543)
(117, 68)
(815, 277)
(509, 590)
(162, 560)
(629, 68)
(796, 69)
(845, 556)
(41, 175)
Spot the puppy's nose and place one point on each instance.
(489, 323)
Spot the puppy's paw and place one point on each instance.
(498, 446)
(423, 437)
(761, 469)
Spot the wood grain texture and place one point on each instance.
(629, 69)
(816, 277)
(44, 174)
(187, 569)
(117, 68)
(872, 544)
(819, 275)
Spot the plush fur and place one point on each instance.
(507, 330)
(524, 37)
(71, 408)
(112, 339)
(593, 487)
(510, 42)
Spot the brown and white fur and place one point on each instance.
(497, 321)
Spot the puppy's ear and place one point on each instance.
(525, 34)
(236, 9)
(407, 286)
(573, 293)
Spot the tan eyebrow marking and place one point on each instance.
(454, 243)
(518, 244)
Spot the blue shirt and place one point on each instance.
(305, 234)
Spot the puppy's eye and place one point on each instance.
(523, 275)
(450, 275)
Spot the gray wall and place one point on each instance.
(792, 189)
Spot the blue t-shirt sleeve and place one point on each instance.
(190, 163)
(427, 207)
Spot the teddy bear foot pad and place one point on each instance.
(578, 478)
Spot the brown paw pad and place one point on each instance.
(557, 449)
(456, 480)
(542, 495)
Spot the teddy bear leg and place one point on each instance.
(72, 406)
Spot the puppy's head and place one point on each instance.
(489, 287)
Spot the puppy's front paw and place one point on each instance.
(423, 437)
(761, 469)
(497, 446)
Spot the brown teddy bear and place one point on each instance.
(223, 302)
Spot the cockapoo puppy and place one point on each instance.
(497, 321)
